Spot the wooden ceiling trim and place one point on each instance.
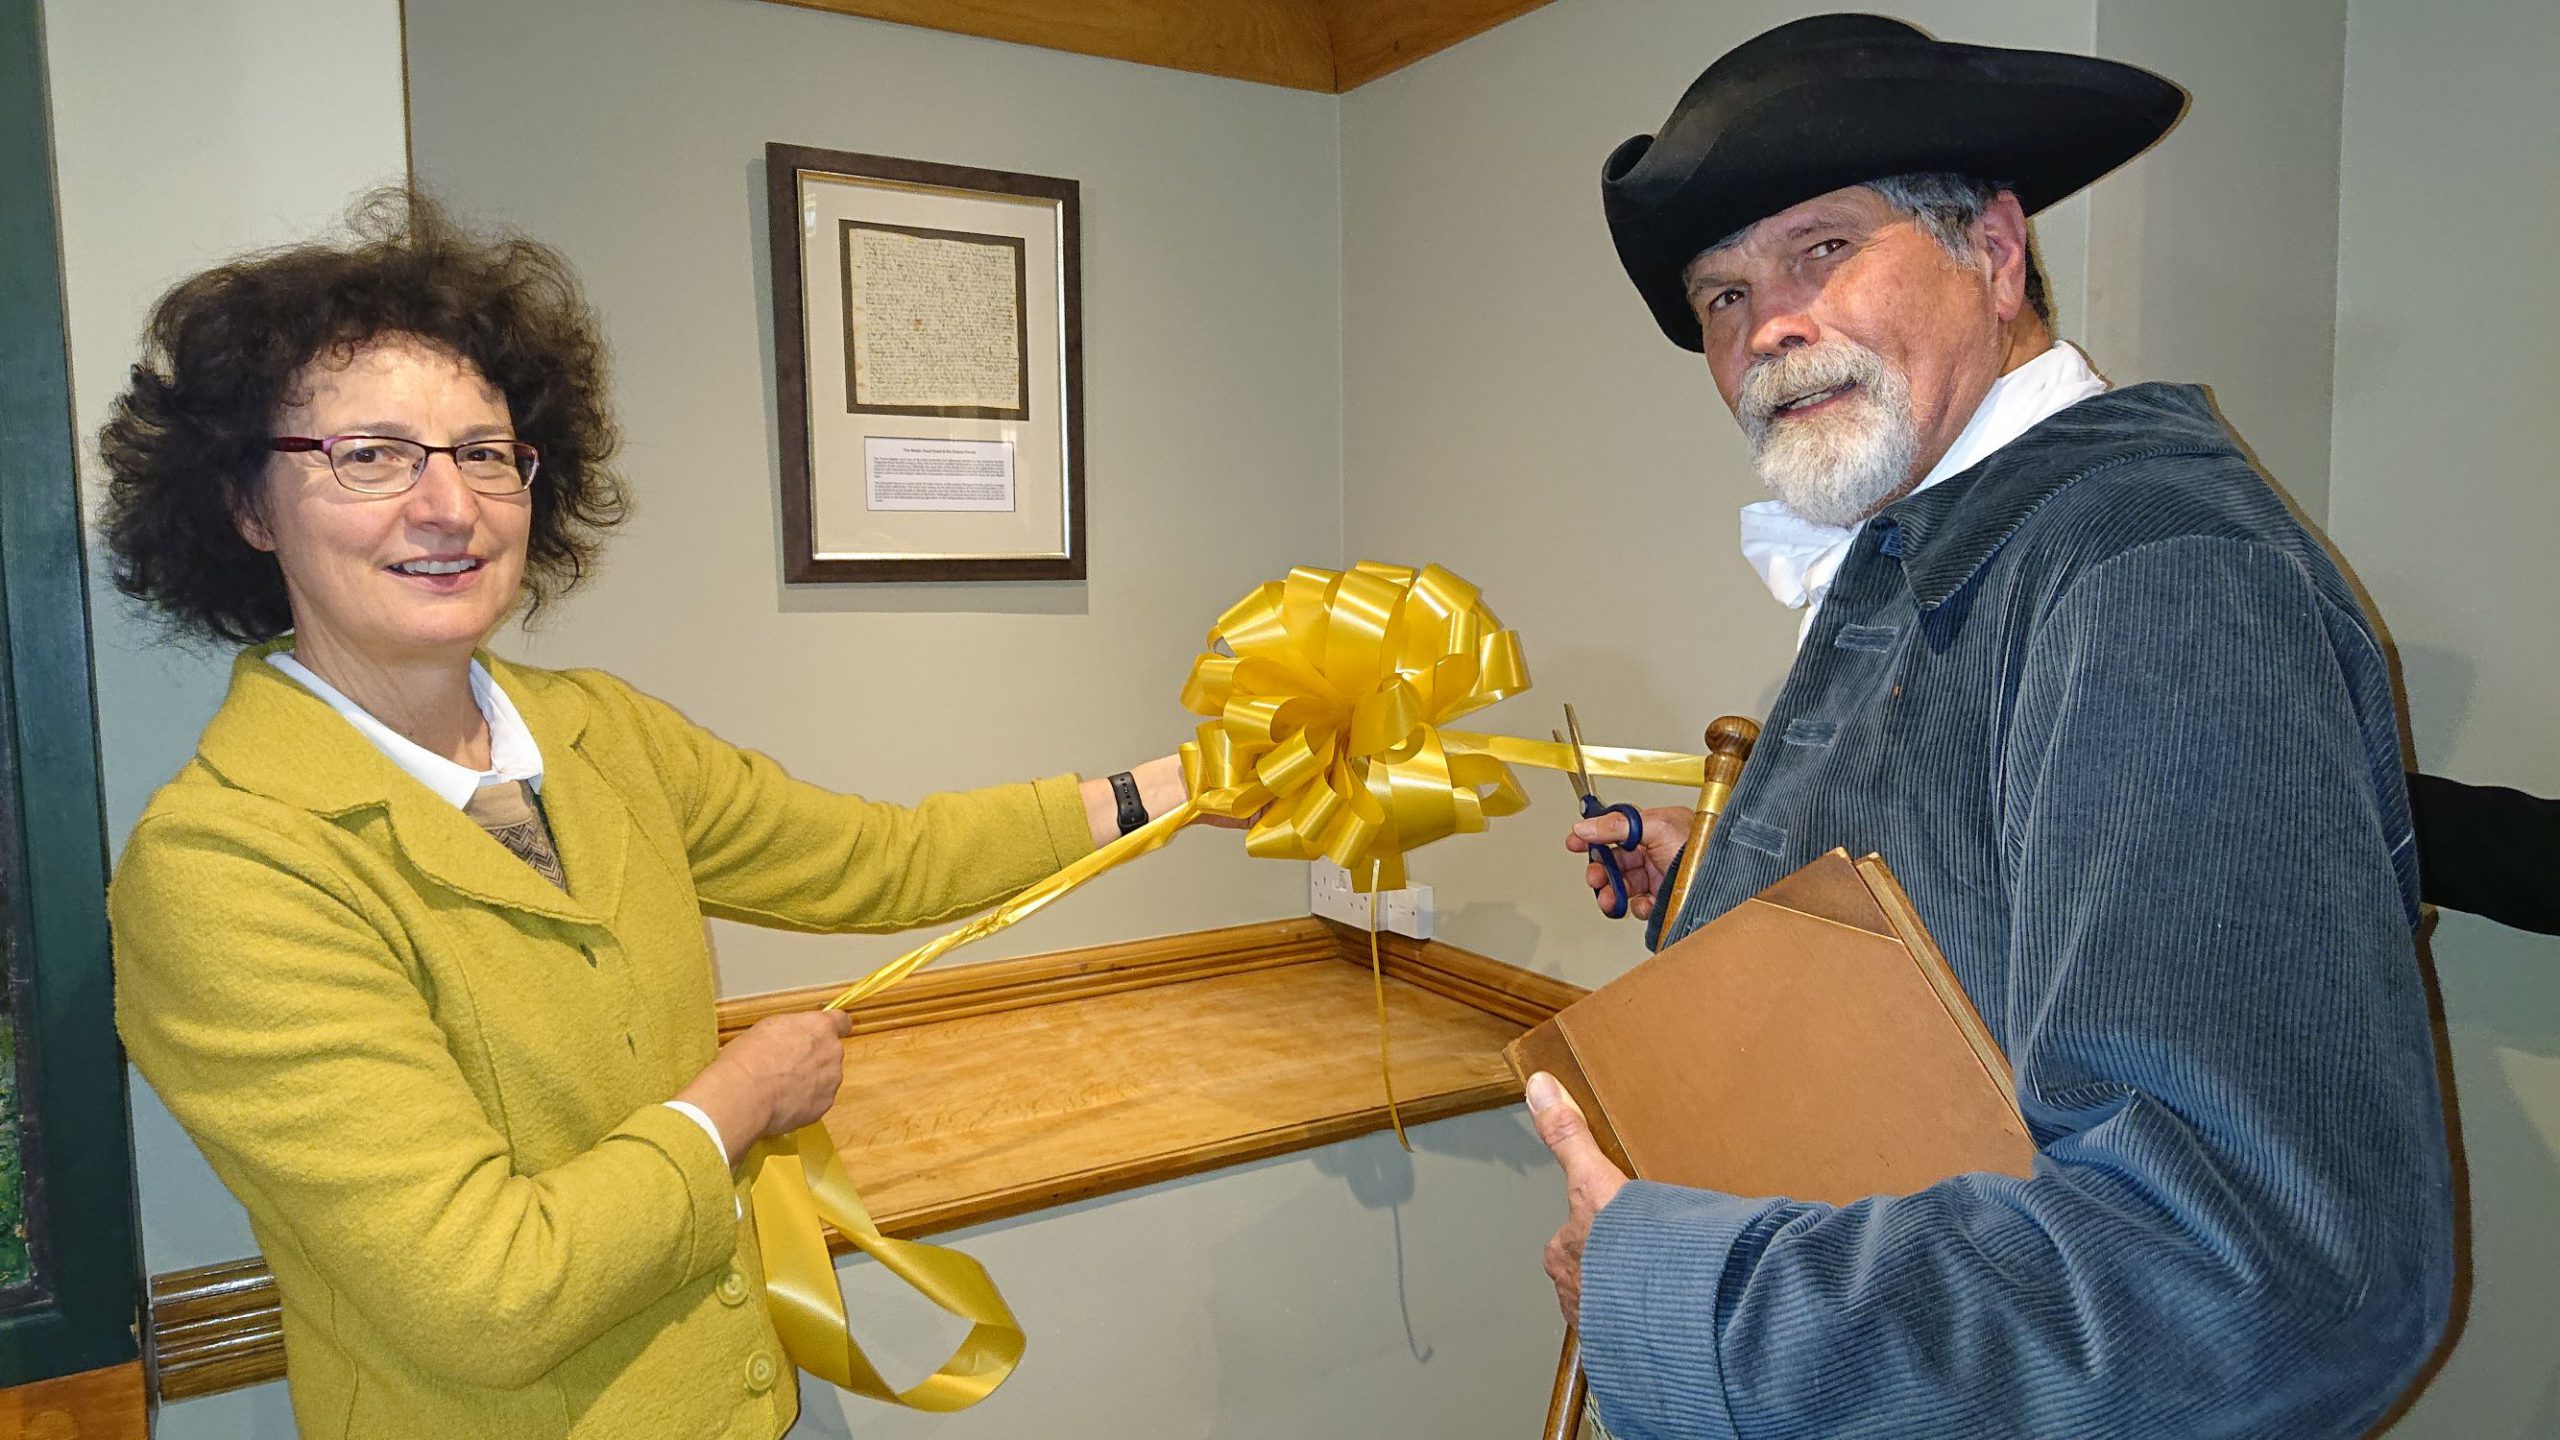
(1324, 45)
(1379, 37)
(1276, 42)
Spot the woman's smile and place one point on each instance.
(440, 575)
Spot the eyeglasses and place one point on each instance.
(387, 465)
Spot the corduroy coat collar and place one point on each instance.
(274, 738)
(1948, 532)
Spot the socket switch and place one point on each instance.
(1403, 912)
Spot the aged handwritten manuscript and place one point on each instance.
(935, 322)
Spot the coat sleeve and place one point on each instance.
(2492, 851)
(284, 1030)
(2240, 1221)
(770, 850)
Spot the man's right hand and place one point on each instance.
(1645, 869)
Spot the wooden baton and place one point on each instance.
(1729, 742)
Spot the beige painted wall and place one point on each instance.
(2214, 258)
(2445, 497)
(184, 134)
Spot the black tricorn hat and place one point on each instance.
(1836, 100)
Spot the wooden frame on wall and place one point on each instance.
(928, 358)
(74, 1308)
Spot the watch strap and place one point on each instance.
(1133, 811)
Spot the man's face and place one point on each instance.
(1851, 346)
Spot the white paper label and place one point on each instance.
(943, 475)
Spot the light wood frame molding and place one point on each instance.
(1324, 45)
(217, 1327)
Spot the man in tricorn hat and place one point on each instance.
(2128, 740)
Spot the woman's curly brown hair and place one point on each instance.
(186, 446)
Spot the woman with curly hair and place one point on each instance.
(413, 946)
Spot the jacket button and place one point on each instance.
(760, 1373)
(733, 1288)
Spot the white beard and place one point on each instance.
(1846, 461)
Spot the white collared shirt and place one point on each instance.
(513, 755)
(1797, 558)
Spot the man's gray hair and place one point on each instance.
(1946, 205)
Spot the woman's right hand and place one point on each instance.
(781, 1074)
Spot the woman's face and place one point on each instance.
(352, 562)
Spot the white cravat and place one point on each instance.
(1797, 558)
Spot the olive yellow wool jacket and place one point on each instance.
(434, 1080)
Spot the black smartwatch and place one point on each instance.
(1133, 811)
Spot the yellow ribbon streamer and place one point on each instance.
(1328, 693)
(1378, 987)
(1147, 837)
(1606, 762)
(798, 1187)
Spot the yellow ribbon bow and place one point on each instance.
(1328, 693)
(1331, 699)
(1327, 703)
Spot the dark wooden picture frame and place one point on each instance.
(77, 1308)
(1058, 412)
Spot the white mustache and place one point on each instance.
(1797, 373)
(1837, 470)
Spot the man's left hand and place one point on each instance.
(1590, 1182)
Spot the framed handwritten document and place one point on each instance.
(928, 339)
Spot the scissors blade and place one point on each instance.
(1581, 786)
(1581, 767)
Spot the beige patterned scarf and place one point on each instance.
(508, 812)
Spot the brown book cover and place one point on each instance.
(1809, 1043)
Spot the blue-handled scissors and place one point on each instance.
(1592, 807)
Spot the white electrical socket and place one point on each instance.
(1403, 912)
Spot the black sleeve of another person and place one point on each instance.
(2489, 850)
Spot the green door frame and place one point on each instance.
(83, 1307)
